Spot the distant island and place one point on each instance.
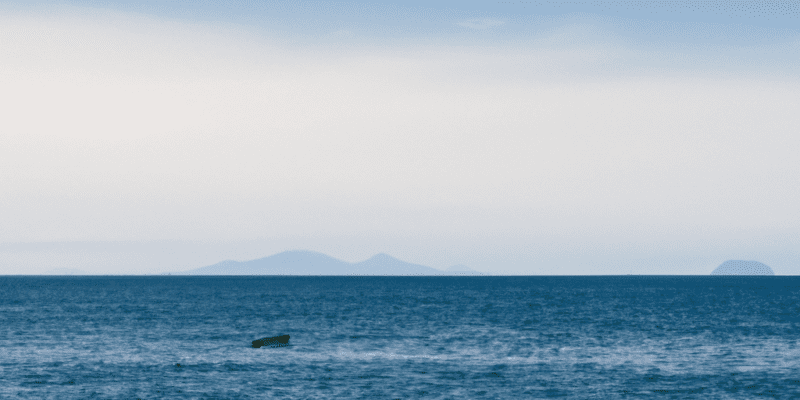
(312, 263)
(742, 267)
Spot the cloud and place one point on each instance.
(480, 23)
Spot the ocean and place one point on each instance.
(598, 337)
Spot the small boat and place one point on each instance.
(275, 341)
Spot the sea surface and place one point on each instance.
(704, 337)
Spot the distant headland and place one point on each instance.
(312, 263)
(742, 267)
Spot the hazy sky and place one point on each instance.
(513, 137)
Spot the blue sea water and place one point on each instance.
(400, 337)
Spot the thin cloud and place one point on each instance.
(481, 23)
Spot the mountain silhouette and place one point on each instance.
(384, 264)
(286, 263)
(742, 267)
(302, 262)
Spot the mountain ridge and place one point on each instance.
(742, 267)
(305, 262)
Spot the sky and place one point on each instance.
(585, 137)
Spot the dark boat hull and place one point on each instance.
(275, 341)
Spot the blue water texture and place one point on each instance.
(602, 337)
